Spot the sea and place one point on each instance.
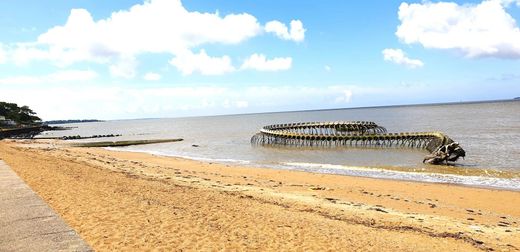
(489, 132)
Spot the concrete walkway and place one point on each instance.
(27, 223)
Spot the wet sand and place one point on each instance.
(123, 201)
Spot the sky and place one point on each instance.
(170, 58)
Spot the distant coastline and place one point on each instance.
(71, 121)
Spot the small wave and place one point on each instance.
(333, 166)
(359, 171)
(479, 181)
(218, 160)
(203, 159)
(130, 150)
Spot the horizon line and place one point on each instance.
(314, 110)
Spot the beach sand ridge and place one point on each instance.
(124, 200)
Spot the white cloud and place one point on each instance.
(150, 76)
(261, 63)
(296, 33)
(104, 101)
(125, 67)
(58, 77)
(397, 56)
(475, 30)
(24, 53)
(189, 63)
(155, 26)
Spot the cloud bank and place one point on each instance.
(156, 26)
(474, 30)
(188, 63)
(119, 102)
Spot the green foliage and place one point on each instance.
(21, 115)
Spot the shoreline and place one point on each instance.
(349, 170)
(118, 200)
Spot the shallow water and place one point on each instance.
(489, 132)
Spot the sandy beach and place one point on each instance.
(136, 201)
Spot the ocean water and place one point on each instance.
(489, 132)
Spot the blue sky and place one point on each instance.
(161, 58)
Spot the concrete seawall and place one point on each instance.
(27, 223)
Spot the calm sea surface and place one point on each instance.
(489, 132)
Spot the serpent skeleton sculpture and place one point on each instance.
(359, 133)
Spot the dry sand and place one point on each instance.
(136, 201)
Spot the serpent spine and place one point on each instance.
(347, 133)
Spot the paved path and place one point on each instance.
(27, 223)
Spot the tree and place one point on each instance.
(21, 115)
